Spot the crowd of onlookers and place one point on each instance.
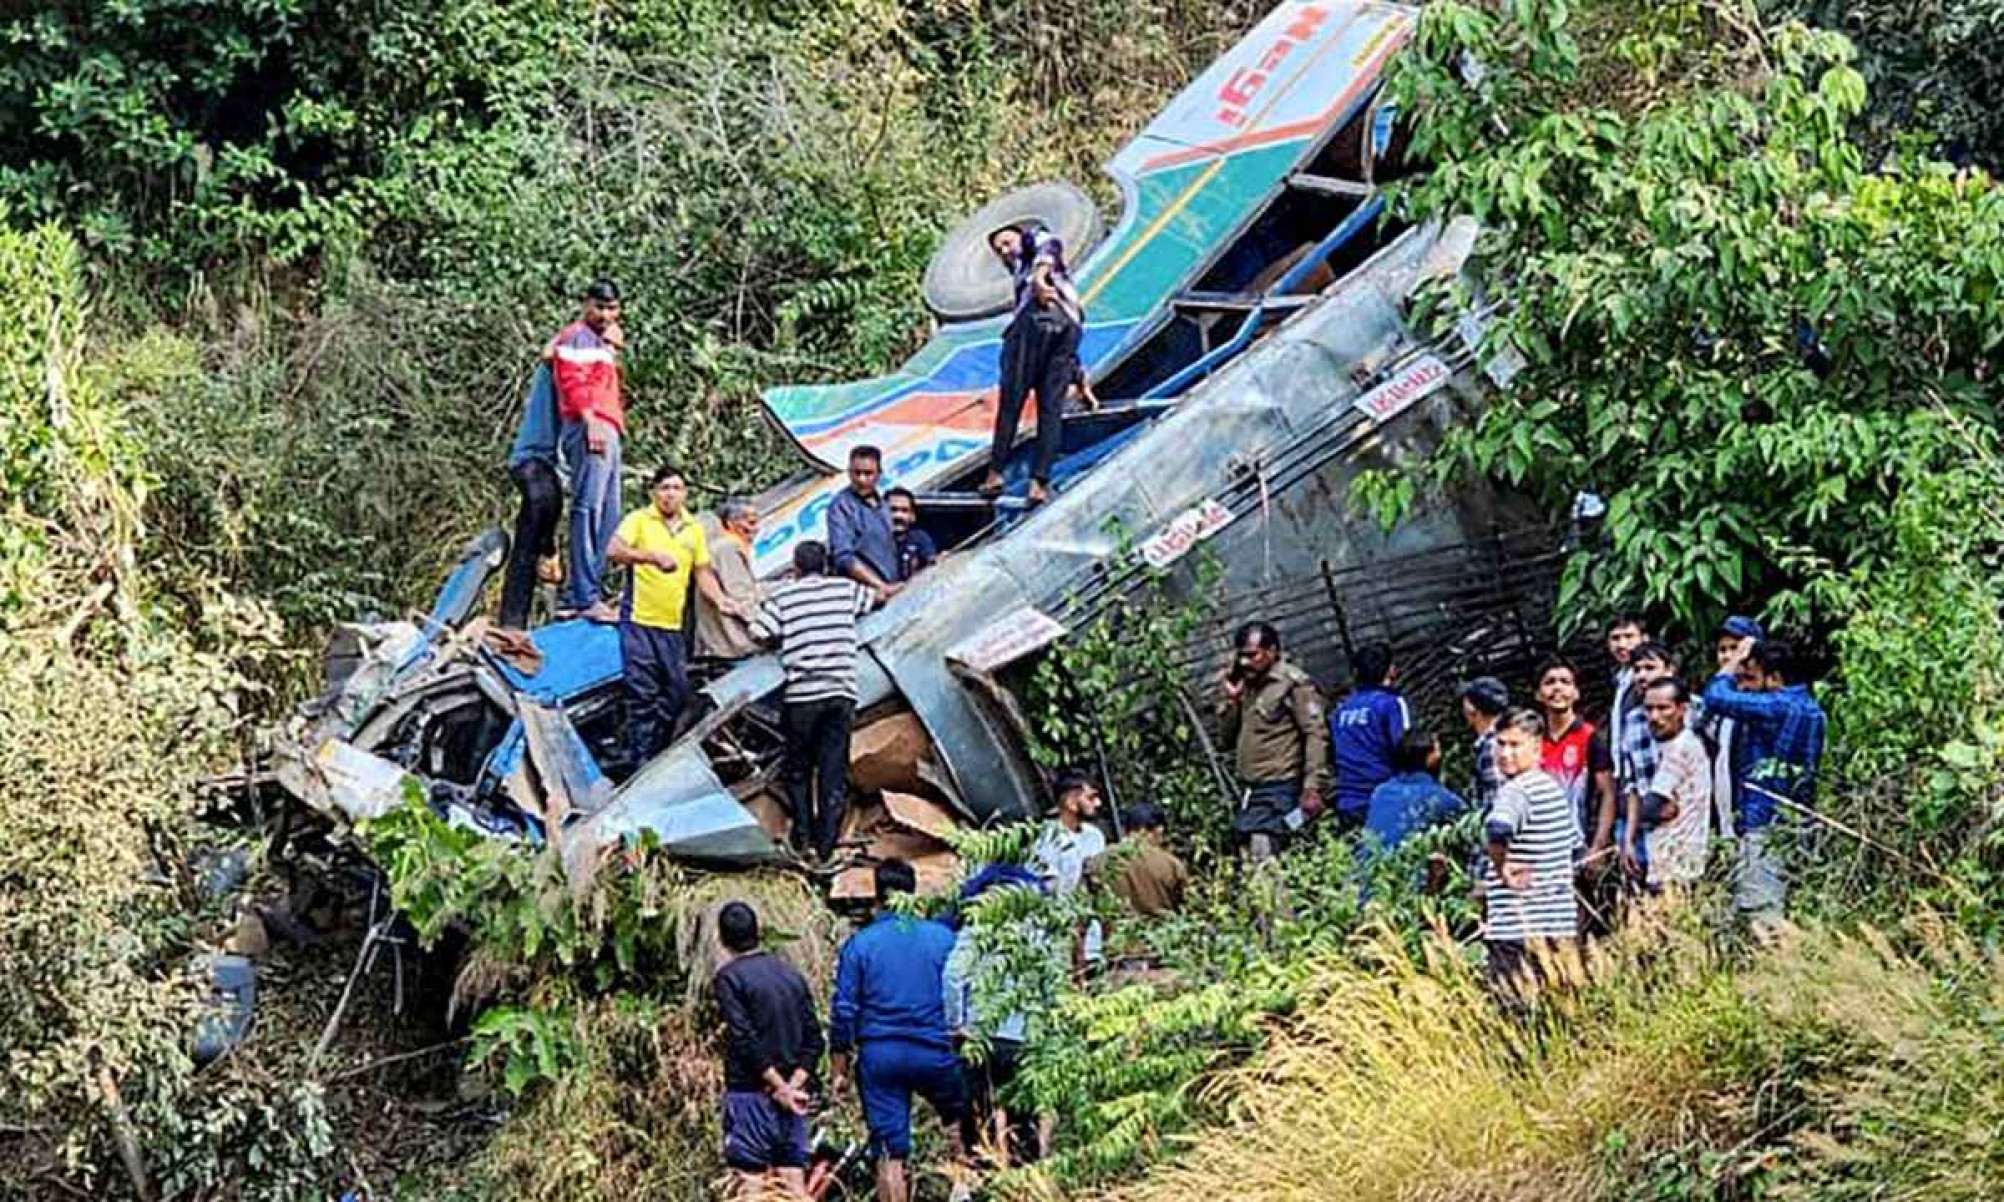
(1578, 817)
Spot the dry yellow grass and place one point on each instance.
(1835, 1066)
(1406, 1082)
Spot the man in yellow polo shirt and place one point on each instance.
(665, 548)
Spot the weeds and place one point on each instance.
(1834, 1066)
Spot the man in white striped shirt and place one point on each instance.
(811, 620)
(1531, 916)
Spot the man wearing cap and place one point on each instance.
(1782, 727)
(1483, 700)
(1271, 714)
(584, 360)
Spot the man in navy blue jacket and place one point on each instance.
(1364, 732)
(890, 1009)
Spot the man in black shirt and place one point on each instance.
(916, 550)
(772, 1046)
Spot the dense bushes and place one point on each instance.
(1779, 367)
(107, 715)
(355, 270)
(326, 237)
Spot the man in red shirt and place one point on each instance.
(584, 358)
(1576, 755)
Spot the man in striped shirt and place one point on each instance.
(811, 620)
(1531, 918)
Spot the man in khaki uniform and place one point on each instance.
(1151, 879)
(720, 633)
(1272, 716)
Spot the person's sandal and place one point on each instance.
(1038, 494)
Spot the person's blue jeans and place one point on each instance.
(889, 1072)
(1264, 808)
(595, 513)
(654, 668)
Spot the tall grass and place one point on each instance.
(1838, 1066)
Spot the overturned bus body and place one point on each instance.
(1249, 335)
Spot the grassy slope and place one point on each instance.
(1837, 1065)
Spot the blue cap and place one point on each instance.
(1742, 627)
(1488, 693)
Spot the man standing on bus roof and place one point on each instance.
(1040, 350)
(584, 359)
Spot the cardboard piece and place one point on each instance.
(891, 753)
(771, 811)
(919, 814)
(936, 875)
(898, 826)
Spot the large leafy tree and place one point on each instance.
(1932, 66)
(1750, 343)
(191, 130)
(1774, 352)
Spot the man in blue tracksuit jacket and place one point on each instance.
(890, 1009)
(1364, 732)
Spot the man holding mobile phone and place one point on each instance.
(1272, 715)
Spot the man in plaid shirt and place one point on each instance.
(1636, 750)
(1483, 701)
(1782, 731)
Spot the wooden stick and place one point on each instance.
(123, 1135)
(383, 1061)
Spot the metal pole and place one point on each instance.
(1336, 607)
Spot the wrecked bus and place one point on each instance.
(1248, 329)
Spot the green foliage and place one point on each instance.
(1676, 258)
(69, 475)
(1931, 67)
(182, 133)
(1917, 720)
(1129, 1070)
(1122, 1069)
(1113, 698)
(631, 1115)
(532, 1044)
(640, 922)
(107, 718)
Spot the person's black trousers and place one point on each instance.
(817, 767)
(655, 671)
(1040, 351)
(535, 536)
